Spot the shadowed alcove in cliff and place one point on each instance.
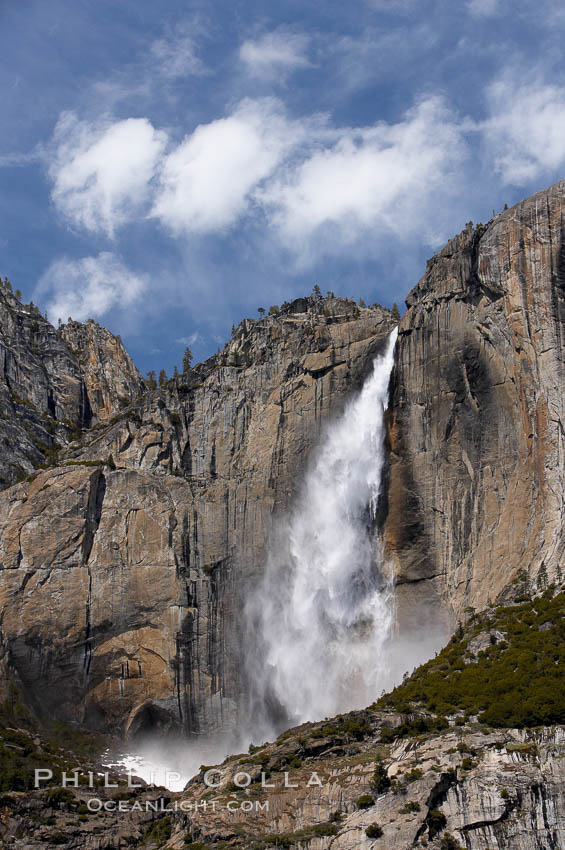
(150, 720)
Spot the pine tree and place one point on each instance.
(186, 360)
(395, 313)
(362, 303)
(150, 380)
(175, 371)
(162, 378)
(380, 782)
(18, 294)
(316, 290)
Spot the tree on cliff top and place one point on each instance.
(186, 360)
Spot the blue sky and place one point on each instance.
(169, 168)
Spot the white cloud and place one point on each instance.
(308, 179)
(177, 56)
(206, 182)
(316, 187)
(275, 53)
(101, 171)
(9, 160)
(483, 8)
(525, 134)
(189, 340)
(89, 287)
(383, 177)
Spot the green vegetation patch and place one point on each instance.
(159, 831)
(345, 727)
(436, 822)
(380, 782)
(410, 808)
(289, 839)
(21, 750)
(375, 830)
(411, 728)
(514, 683)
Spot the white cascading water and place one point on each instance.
(323, 611)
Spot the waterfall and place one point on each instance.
(319, 623)
(323, 609)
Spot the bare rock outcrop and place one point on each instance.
(302, 792)
(53, 383)
(509, 794)
(109, 376)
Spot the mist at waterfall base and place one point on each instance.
(320, 636)
(169, 762)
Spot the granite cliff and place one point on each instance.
(125, 564)
(476, 419)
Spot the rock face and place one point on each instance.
(476, 425)
(110, 379)
(314, 795)
(53, 383)
(509, 794)
(124, 567)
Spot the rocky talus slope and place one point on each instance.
(388, 777)
(508, 795)
(53, 383)
(477, 425)
(125, 565)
